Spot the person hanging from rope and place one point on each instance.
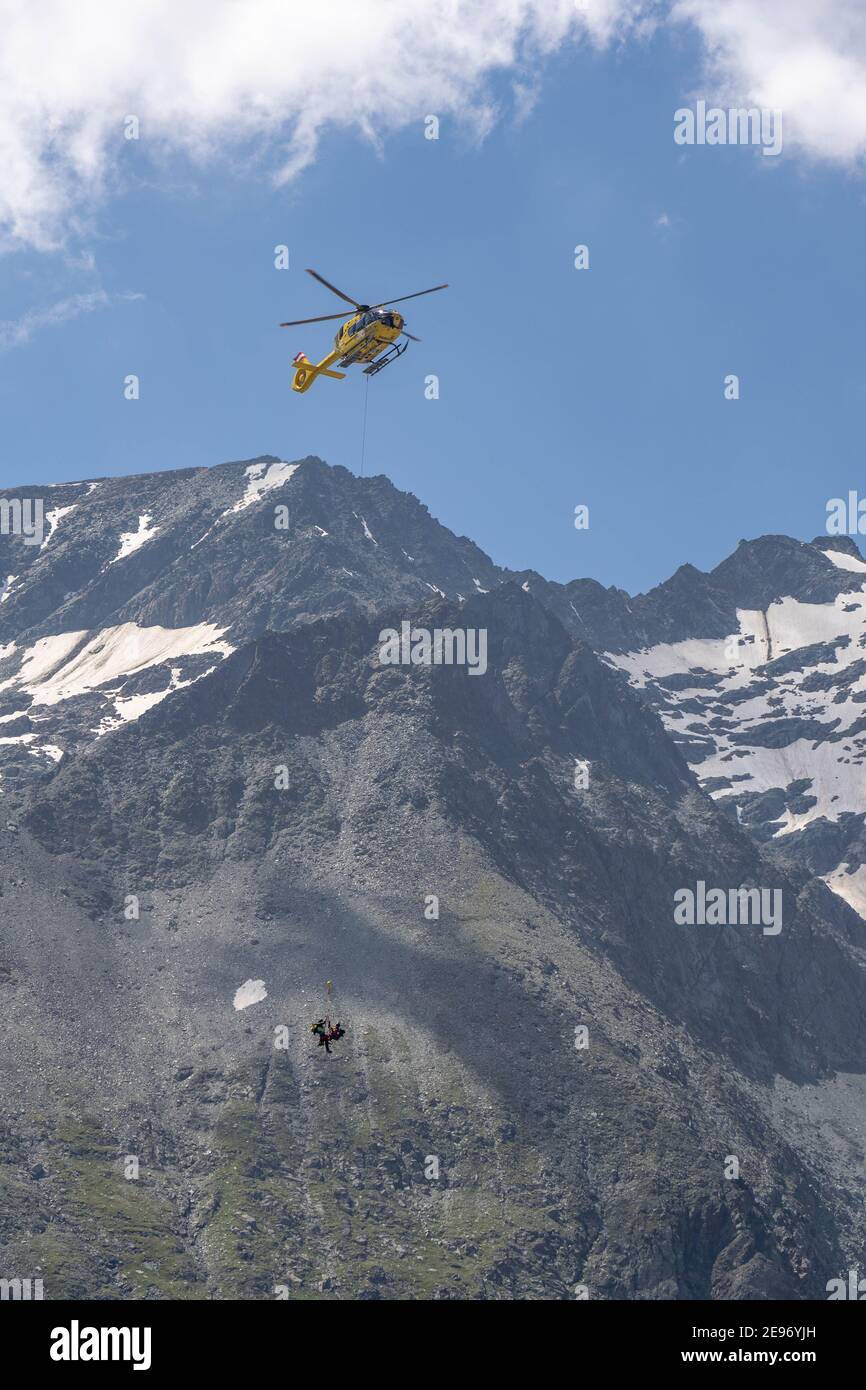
(326, 1033)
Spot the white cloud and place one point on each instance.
(205, 76)
(806, 58)
(14, 332)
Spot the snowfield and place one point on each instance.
(59, 668)
(54, 519)
(73, 663)
(844, 561)
(250, 992)
(262, 480)
(749, 727)
(131, 541)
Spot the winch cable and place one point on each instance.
(364, 427)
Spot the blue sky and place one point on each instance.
(557, 386)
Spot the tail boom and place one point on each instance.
(306, 371)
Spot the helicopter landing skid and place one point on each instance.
(394, 351)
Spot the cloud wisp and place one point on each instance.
(16, 332)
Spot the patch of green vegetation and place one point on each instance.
(107, 1233)
(378, 1226)
(253, 1202)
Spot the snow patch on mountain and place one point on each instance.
(134, 540)
(787, 626)
(849, 885)
(778, 707)
(772, 719)
(54, 518)
(250, 992)
(843, 561)
(42, 658)
(734, 656)
(367, 532)
(129, 707)
(60, 667)
(262, 478)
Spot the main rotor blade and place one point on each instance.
(417, 295)
(333, 288)
(323, 318)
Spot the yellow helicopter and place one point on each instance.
(370, 335)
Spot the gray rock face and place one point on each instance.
(547, 1083)
(219, 552)
(768, 707)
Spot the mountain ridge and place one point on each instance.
(237, 805)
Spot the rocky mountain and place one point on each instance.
(141, 585)
(549, 1087)
(759, 675)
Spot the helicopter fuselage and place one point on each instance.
(368, 336)
(364, 336)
